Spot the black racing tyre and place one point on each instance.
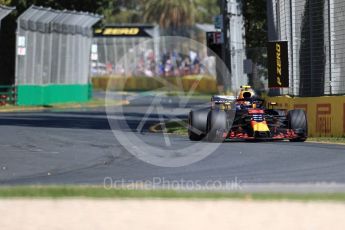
(281, 112)
(197, 121)
(216, 126)
(297, 120)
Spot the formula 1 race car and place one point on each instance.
(246, 118)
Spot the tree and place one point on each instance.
(122, 11)
(5, 2)
(255, 22)
(206, 10)
(93, 6)
(171, 15)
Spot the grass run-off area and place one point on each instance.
(179, 129)
(122, 193)
(90, 104)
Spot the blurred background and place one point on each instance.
(237, 31)
(76, 46)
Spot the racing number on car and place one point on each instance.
(323, 118)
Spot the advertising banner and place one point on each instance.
(123, 31)
(278, 64)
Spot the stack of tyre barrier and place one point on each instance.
(196, 83)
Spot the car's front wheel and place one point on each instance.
(197, 124)
(216, 126)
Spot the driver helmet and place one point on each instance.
(246, 92)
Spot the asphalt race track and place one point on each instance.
(78, 147)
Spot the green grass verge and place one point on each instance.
(100, 192)
(96, 102)
(331, 140)
(90, 104)
(176, 128)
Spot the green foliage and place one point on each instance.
(206, 10)
(255, 23)
(83, 5)
(122, 16)
(5, 2)
(169, 13)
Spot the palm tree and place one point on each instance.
(169, 14)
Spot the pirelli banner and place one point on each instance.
(124, 31)
(278, 64)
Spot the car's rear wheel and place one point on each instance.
(297, 120)
(217, 126)
(197, 124)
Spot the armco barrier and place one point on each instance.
(326, 115)
(197, 83)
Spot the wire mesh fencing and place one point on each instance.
(171, 56)
(111, 50)
(167, 56)
(315, 31)
(115, 42)
(154, 56)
